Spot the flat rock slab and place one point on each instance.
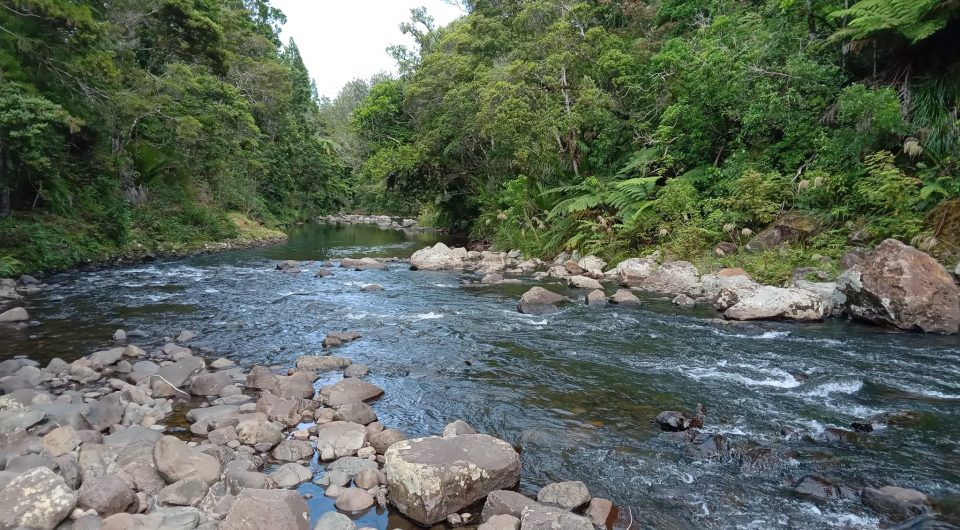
(430, 478)
(261, 509)
(349, 391)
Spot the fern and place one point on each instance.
(913, 19)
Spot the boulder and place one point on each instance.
(334, 521)
(501, 522)
(60, 441)
(673, 278)
(439, 257)
(176, 461)
(188, 492)
(351, 466)
(292, 451)
(550, 518)
(291, 475)
(175, 374)
(356, 370)
(725, 248)
(820, 488)
(776, 303)
(830, 297)
(539, 301)
(599, 512)
(457, 428)
(356, 412)
(569, 496)
(712, 284)
(624, 297)
(634, 271)
(901, 286)
(385, 438)
(430, 478)
(106, 495)
(898, 504)
(596, 298)
(106, 357)
(372, 288)
(17, 314)
(38, 499)
(592, 264)
(354, 500)
(207, 384)
(348, 391)
(791, 227)
(256, 509)
(582, 282)
(322, 363)
(343, 438)
(684, 301)
(362, 264)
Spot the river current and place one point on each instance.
(576, 392)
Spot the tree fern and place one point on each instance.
(913, 19)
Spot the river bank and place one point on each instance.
(578, 391)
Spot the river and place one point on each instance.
(575, 391)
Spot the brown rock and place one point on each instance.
(901, 286)
(539, 301)
(256, 509)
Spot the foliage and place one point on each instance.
(112, 114)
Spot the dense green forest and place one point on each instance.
(151, 124)
(611, 127)
(617, 126)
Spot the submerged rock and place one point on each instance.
(897, 503)
(430, 478)
(901, 286)
(539, 301)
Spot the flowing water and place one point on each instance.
(575, 391)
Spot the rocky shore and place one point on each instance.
(384, 222)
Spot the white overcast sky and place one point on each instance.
(344, 39)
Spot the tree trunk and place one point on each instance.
(4, 203)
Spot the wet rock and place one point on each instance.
(384, 439)
(334, 521)
(672, 421)
(565, 495)
(362, 264)
(439, 257)
(17, 314)
(897, 503)
(188, 492)
(60, 441)
(901, 286)
(354, 500)
(599, 511)
(356, 370)
(356, 412)
(349, 391)
(176, 461)
(539, 301)
(684, 301)
(491, 279)
(259, 509)
(457, 428)
(106, 495)
(582, 282)
(292, 451)
(673, 278)
(367, 478)
(323, 273)
(791, 227)
(372, 288)
(821, 488)
(341, 438)
(469, 467)
(291, 475)
(288, 266)
(38, 499)
(549, 518)
(624, 297)
(596, 298)
(501, 522)
(776, 303)
(322, 363)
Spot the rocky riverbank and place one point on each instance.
(895, 285)
(384, 222)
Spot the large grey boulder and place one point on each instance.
(430, 478)
(439, 257)
(565, 495)
(177, 461)
(539, 301)
(342, 438)
(349, 390)
(673, 278)
(256, 509)
(38, 499)
(776, 303)
(901, 286)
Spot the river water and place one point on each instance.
(576, 391)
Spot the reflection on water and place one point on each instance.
(577, 391)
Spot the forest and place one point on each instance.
(609, 127)
(614, 127)
(145, 124)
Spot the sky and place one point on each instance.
(341, 40)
